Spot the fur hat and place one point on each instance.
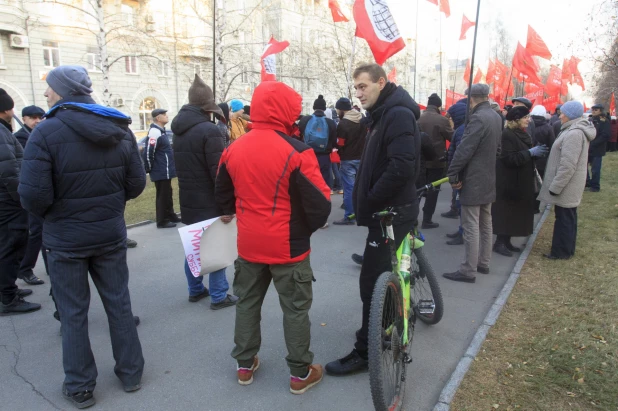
(517, 113)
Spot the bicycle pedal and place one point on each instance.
(426, 306)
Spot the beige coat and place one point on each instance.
(565, 173)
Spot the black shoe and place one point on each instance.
(23, 292)
(18, 306)
(482, 270)
(342, 206)
(166, 224)
(594, 190)
(500, 248)
(57, 315)
(451, 214)
(131, 243)
(81, 400)
(137, 320)
(174, 218)
(454, 235)
(228, 301)
(512, 248)
(357, 258)
(456, 241)
(458, 276)
(347, 365)
(30, 279)
(344, 221)
(196, 298)
(429, 225)
(132, 388)
(553, 257)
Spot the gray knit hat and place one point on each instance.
(69, 81)
(572, 109)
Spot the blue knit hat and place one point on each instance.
(236, 105)
(572, 109)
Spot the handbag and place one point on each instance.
(538, 181)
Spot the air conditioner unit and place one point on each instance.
(150, 18)
(118, 102)
(19, 42)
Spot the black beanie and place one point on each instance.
(434, 100)
(6, 102)
(343, 104)
(319, 103)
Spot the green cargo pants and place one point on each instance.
(293, 283)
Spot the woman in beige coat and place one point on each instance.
(565, 177)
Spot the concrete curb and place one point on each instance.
(141, 223)
(449, 390)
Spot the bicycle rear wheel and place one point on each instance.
(387, 355)
(426, 294)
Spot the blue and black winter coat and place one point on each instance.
(458, 113)
(80, 167)
(158, 155)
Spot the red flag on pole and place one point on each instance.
(478, 76)
(612, 106)
(335, 10)
(433, 2)
(392, 76)
(554, 81)
(577, 77)
(536, 46)
(269, 63)
(466, 75)
(551, 102)
(491, 72)
(445, 7)
(525, 64)
(567, 76)
(375, 23)
(501, 72)
(465, 26)
(452, 98)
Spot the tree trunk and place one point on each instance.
(102, 45)
(219, 64)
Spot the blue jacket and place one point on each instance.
(158, 155)
(80, 167)
(458, 113)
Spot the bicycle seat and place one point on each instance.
(380, 215)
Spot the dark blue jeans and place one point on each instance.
(565, 232)
(326, 169)
(336, 177)
(68, 271)
(349, 168)
(593, 177)
(217, 284)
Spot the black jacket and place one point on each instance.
(598, 146)
(158, 155)
(354, 133)
(332, 131)
(11, 154)
(428, 153)
(543, 135)
(390, 162)
(81, 166)
(198, 145)
(22, 135)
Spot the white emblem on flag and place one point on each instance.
(382, 20)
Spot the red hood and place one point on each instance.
(275, 106)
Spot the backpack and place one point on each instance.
(316, 134)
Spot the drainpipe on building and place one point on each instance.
(29, 56)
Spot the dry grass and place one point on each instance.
(143, 207)
(555, 346)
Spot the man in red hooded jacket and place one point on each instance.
(272, 183)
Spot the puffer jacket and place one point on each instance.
(565, 173)
(598, 146)
(158, 155)
(198, 145)
(272, 182)
(353, 134)
(543, 135)
(11, 154)
(458, 114)
(22, 135)
(81, 165)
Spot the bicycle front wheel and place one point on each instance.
(387, 354)
(426, 294)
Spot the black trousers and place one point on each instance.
(110, 274)
(376, 260)
(35, 242)
(164, 202)
(13, 240)
(565, 232)
(431, 199)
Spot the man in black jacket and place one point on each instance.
(386, 178)
(597, 148)
(13, 218)
(198, 145)
(81, 166)
(30, 116)
(351, 134)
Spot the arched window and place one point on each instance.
(145, 108)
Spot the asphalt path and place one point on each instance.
(187, 346)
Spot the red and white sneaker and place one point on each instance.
(245, 375)
(301, 385)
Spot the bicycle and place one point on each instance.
(394, 311)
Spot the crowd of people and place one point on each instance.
(68, 173)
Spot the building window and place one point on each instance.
(164, 68)
(130, 63)
(145, 109)
(162, 24)
(51, 54)
(197, 69)
(128, 14)
(93, 59)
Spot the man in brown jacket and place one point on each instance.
(440, 129)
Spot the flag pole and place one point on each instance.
(478, 9)
(506, 94)
(456, 70)
(441, 74)
(415, 50)
(350, 66)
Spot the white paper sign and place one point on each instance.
(191, 237)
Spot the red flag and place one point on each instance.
(452, 98)
(335, 10)
(433, 2)
(554, 81)
(465, 26)
(501, 72)
(531, 88)
(566, 71)
(445, 8)
(392, 76)
(535, 96)
(269, 63)
(525, 64)
(466, 75)
(551, 102)
(491, 72)
(377, 26)
(478, 76)
(577, 77)
(585, 108)
(612, 106)
(536, 46)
